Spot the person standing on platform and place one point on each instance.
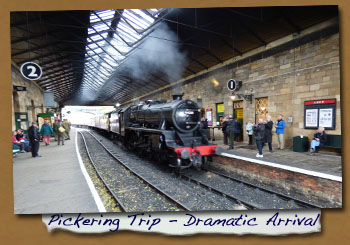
(230, 130)
(46, 131)
(268, 132)
(259, 130)
(280, 126)
(204, 126)
(34, 138)
(237, 130)
(54, 128)
(224, 126)
(60, 131)
(67, 128)
(320, 139)
(249, 129)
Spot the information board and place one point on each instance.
(209, 116)
(220, 108)
(320, 113)
(311, 117)
(326, 116)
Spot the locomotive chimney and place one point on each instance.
(178, 96)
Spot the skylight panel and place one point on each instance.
(105, 53)
(139, 20)
(106, 14)
(143, 16)
(125, 27)
(101, 27)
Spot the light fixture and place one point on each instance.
(233, 97)
(117, 104)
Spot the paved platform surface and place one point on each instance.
(320, 162)
(53, 183)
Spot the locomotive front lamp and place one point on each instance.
(185, 154)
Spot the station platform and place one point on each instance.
(323, 163)
(316, 179)
(53, 183)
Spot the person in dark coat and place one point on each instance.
(320, 139)
(204, 126)
(34, 138)
(237, 129)
(230, 130)
(54, 128)
(268, 132)
(259, 130)
(224, 126)
(60, 135)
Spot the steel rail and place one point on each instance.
(282, 196)
(236, 199)
(181, 205)
(121, 206)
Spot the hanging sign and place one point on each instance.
(19, 88)
(31, 71)
(233, 85)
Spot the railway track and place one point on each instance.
(193, 196)
(122, 184)
(249, 195)
(246, 195)
(300, 203)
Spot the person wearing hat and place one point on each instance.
(34, 138)
(60, 128)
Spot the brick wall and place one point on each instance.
(320, 191)
(294, 74)
(25, 98)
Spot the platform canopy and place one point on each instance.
(112, 56)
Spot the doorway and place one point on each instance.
(261, 108)
(238, 114)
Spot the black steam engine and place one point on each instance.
(166, 131)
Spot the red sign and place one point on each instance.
(320, 102)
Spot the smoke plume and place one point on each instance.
(158, 53)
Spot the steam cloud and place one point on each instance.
(159, 53)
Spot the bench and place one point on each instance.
(333, 143)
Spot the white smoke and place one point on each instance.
(158, 53)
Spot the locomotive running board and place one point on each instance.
(146, 130)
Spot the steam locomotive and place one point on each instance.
(168, 132)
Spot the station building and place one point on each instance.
(284, 60)
(28, 100)
(276, 79)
